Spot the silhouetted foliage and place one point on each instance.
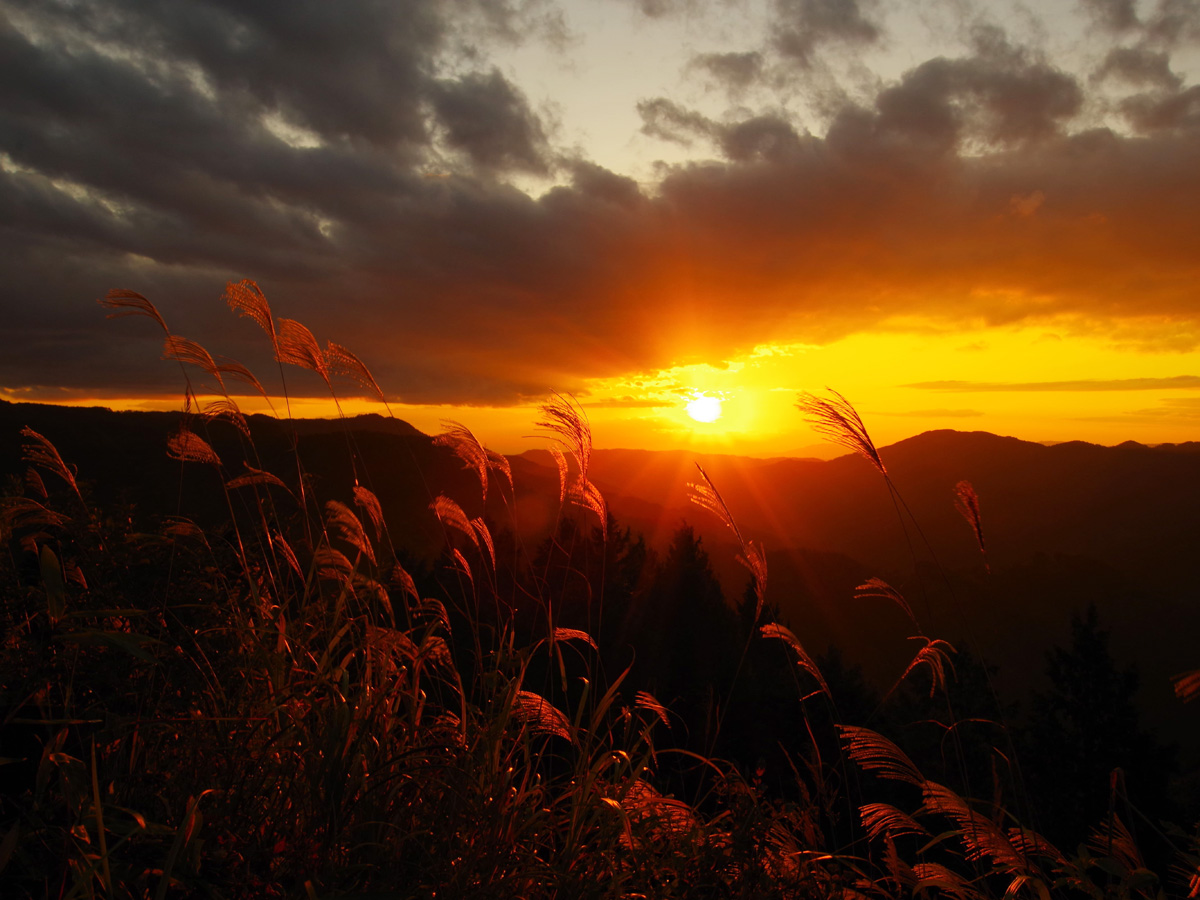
(1085, 750)
(681, 633)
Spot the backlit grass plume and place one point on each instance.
(187, 446)
(566, 422)
(38, 451)
(450, 514)
(345, 525)
(255, 476)
(185, 351)
(705, 495)
(541, 715)
(343, 362)
(476, 457)
(244, 375)
(837, 420)
(981, 838)
(935, 655)
(881, 819)
(877, 587)
(966, 501)
(587, 496)
(369, 503)
(131, 303)
(783, 633)
(226, 409)
(247, 299)
(296, 346)
(1187, 685)
(876, 753)
(568, 425)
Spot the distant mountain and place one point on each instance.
(1065, 525)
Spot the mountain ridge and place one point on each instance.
(1065, 525)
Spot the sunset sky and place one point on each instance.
(959, 214)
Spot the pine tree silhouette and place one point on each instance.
(1081, 729)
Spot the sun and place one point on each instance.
(704, 408)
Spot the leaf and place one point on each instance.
(573, 634)
(183, 836)
(52, 581)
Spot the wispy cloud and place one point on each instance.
(1178, 382)
(624, 403)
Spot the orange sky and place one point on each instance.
(1070, 388)
(974, 217)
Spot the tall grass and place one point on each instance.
(273, 706)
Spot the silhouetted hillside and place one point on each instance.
(1066, 525)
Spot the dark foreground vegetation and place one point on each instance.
(286, 700)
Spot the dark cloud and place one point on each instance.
(1140, 67)
(802, 27)
(1115, 15)
(767, 137)
(513, 21)
(1179, 382)
(490, 120)
(657, 9)
(354, 163)
(1174, 22)
(1169, 23)
(1164, 110)
(734, 71)
(764, 137)
(998, 96)
(667, 120)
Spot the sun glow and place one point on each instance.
(704, 408)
